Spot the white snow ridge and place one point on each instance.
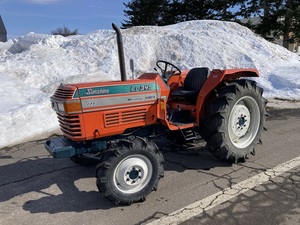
(31, 67)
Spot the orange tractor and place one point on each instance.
(113, 122)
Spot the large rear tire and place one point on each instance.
(130, 170)
(234, 121)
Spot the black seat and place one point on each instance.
(193, 82)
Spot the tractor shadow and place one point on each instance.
(181, 157)
(51, 185)
(43, 184)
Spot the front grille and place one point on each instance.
(69, 124)
(63, 93)
(125, 117)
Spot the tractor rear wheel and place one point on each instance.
(130, 170)
(234, 122)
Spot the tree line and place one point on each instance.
(64, 31)
(277, 17)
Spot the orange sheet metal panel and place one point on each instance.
(112, 122)
(109, 108)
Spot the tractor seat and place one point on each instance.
(193, 82)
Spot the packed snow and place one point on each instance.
(32, 66)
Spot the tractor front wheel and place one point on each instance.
(130, 170)
(234, 121)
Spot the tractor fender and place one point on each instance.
(216, 78)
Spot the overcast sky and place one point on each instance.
(43, 16)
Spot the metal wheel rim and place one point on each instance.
(244, 122)
(133, 173)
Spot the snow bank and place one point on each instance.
(31, 67)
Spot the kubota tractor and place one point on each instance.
(114, 122)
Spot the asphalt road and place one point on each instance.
(36, 189)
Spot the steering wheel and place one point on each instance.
(167, 69)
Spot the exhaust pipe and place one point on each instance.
(120, 52)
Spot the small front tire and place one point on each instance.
(130, 170)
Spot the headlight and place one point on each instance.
(67, 107)
(60, 107)
(53, 105)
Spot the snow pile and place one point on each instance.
(31, 67)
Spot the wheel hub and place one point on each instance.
(244, 122)
(240, 120)
(133, 173)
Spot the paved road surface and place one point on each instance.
(36, 189)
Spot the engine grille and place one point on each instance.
(70, 125)
(125, 117)
(63, 93)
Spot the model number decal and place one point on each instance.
(147, 87)
(91, 103)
